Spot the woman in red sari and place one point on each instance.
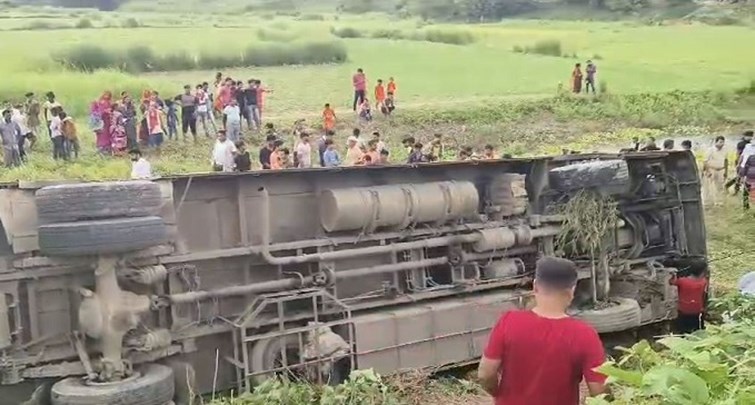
(576, 78)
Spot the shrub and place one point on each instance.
(181, 60)
(549, 47)
(39, 25)
(131, 23)
(454, 37)
(138, 58)
(213, 60)
(518, 49)
(299, 54)
(84, 23)
(86, 58)
(388, 34)
(311, 17)
(603, 87)
(275, 35)
(346, 32)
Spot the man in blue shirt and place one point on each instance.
(330, 157)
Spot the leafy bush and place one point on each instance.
(40, 25)
(143, 59)
(346, 32)
(86, 58)
(84, 23)
(311, 17)
(275, 35)
(714, 366)
(387, 34)
(549, 47)
(453, 37)
(131, 23)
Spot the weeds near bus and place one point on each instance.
(589, 218)
(711, 367)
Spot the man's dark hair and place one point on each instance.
(240, 144)
(418, 145)
(748, 133)
(328, 142)
(330, 132)
(668, 144)
(29, 94)
(385, 152)
(720, 138)
(489, 147)
(270, 138)
(409, 141)
(557, 273)
(356, 132)
(135, 152)
(687, 144)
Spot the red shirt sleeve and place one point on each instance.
(594, 356)
(494, 349)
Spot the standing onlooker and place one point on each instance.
(379, 142)
(242, 160)
(250, 111)
(379, 95)
(417, 155)
(47, 108)
(576, 78)
(276, 163)
(372, 157)
(746, 169)
(353, 153)
(154, 126)
(232, 120)
(119, 140)
(188, 112)
(140, 167)
(129, 120)
(102, 114)
(261, 90)
(437, 147)
(303, 152)
(737, 180)
(540, 356)
(687, 145)
(331, 157)
(204, 106)
(591, 70)
(70, 135)
(384, 156)
(56, 132)
(649, 145)
(32, 111)
(223, 154)
(714, 172)
(20, 119)
(172, 118)
(489, 153)
(322, 145)
(328, 118)
(10, 133)
(392, 87)
(359, 81)
(267, 151)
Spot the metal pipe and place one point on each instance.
(391, 268)
(256, 288)
(522, 250)
(350, 253)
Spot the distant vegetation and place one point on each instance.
(444, 36)
(137, 59)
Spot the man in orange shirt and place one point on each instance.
(392, 86)
(329, 118)
(379, 94)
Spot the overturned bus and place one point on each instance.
(149, 292)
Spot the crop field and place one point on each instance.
(503, 83)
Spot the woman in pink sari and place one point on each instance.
(119, 141)
(104, 109)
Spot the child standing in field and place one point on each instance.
(379, 95)
(392, 86)
(70, 135)
(328, 118)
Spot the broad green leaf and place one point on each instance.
(678, 386)
(617, 374)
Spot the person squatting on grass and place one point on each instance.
(540, 356)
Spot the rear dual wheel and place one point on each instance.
(152, 384)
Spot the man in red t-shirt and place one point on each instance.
(692, 291)
(539, 357)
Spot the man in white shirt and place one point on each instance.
(303, 152)
(56, 134)
(140, 167)
(223, 153)
(232, 116)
